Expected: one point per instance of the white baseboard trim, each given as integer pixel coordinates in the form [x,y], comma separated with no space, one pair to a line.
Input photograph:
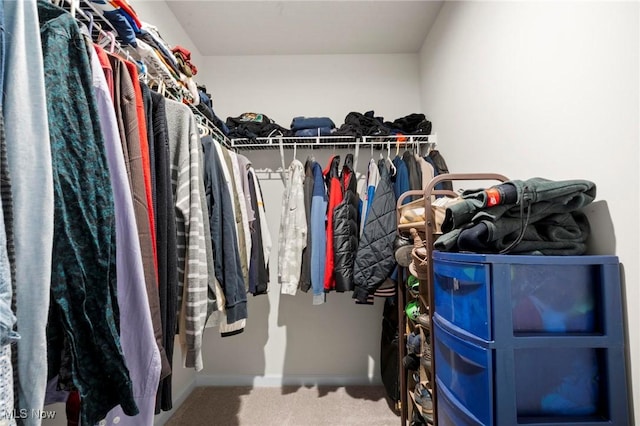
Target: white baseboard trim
[164,416]
[279,380]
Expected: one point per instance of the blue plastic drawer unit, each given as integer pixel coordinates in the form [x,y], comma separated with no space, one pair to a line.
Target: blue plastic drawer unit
[466,372]
[559,384]
[495,296]
[529,340]
[451,413]
[462,296]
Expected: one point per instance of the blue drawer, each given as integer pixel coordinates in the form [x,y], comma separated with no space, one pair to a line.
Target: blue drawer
[463,297]
[466,371]
[451,413]
[560,382]
[492,297]
[554,299]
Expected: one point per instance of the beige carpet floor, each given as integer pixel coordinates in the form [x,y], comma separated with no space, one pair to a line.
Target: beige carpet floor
[286,406]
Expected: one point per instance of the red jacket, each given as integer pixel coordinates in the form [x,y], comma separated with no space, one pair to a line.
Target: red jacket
[334,193]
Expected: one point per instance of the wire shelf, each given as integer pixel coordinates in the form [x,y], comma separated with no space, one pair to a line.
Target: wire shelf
[330,142]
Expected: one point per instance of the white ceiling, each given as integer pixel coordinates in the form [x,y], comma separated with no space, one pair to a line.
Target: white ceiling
[270,27]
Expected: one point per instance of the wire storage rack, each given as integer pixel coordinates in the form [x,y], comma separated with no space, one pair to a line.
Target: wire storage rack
[335,142]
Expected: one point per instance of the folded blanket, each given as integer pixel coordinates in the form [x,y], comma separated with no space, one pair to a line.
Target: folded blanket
[300,123]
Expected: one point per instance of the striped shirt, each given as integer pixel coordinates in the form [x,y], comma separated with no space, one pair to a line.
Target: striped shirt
[186,178]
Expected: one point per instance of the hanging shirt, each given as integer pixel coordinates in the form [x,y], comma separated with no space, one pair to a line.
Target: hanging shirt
[318,234]
[293,230]
[30,167]
[244,215]
[167,245]
[369,189]
[305,272]
[141,352]
[83,276]
[265,241]
[223,234]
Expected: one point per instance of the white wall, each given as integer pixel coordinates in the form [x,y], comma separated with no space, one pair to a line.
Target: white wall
[545,89]
[287,340]
[312,85]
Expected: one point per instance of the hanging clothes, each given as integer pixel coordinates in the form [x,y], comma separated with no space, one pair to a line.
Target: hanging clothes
[243,225]
[7,319]
[293,230]
[426,169]
[334,196]
[144,155]
[318,234]
[231,325]
[166,243]
[83,277]
[127,117]
[243,166]
[213,290]
[305,273]
[345,228]
[139,345]
[401,179]
[414,170]
[264,236]
[193,281]
[9,358]
[216,299]
[440,167]
[237,210]
[257,255]
[368,191]
[30,166]
[374,259]
[228,269]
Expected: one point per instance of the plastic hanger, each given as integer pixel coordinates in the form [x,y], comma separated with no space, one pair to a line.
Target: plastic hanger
[74,7]
[312,157]
[91,25]
[392,167]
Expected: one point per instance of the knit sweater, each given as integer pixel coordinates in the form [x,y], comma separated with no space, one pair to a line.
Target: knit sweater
[184,158]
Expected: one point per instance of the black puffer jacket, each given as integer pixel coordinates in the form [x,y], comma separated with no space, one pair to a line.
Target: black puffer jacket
[374,258]
[345,228]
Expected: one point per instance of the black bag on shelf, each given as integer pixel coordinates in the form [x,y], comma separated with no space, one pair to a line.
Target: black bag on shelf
[251,126]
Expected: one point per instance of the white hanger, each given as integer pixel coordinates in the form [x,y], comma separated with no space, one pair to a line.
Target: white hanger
[392,167]
[74,7]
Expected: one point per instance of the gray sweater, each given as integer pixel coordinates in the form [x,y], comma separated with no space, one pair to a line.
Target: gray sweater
[193,278]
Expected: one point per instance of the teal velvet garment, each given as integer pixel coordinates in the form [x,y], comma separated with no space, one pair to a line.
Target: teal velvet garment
[83,276]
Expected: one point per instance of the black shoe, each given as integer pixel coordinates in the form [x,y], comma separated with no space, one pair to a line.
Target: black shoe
[411,362]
